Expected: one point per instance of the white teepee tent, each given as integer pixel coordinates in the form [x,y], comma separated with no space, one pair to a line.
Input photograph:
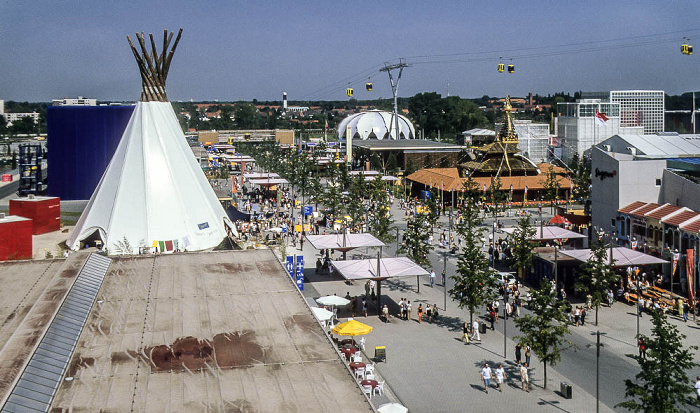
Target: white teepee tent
[153,193]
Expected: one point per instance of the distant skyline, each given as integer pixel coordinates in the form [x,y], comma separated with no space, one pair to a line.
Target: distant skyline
[245,50]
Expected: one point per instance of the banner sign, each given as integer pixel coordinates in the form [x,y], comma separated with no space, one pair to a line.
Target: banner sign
[300,272]
[690,271]
[290,265]
[308,210]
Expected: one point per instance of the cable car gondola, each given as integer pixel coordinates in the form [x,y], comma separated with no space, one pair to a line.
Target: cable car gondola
[511,67]
[501,66]
[349,92]
[686,48]
[368,86]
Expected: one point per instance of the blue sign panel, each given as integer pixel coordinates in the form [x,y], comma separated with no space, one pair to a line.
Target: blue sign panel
[300,272]
[203,225]
[308,210]
[290,265]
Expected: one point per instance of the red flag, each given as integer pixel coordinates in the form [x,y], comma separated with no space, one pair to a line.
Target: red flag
[600,117]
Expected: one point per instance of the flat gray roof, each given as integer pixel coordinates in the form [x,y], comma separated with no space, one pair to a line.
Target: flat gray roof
[219,331]
[404,144]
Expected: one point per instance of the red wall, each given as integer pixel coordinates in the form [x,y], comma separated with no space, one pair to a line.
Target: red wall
[45,213]
[16,240]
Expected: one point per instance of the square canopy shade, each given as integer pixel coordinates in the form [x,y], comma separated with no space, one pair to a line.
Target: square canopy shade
[622,257]
[240,159]
[268,181]
[384,178]
[388,267]
[549,233]
[344,242]
[258,175]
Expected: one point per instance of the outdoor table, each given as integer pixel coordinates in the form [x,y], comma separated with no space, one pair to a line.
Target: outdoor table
[372,383]
[347,342]
[357,365]
[348,352]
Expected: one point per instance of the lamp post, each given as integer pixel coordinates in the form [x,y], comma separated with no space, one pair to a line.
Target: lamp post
[556,272]
[493,245]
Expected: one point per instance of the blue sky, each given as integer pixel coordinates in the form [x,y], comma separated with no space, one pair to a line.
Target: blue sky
[241,50]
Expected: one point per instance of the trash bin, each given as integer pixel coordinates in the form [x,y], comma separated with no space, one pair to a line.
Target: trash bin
[565,390]
[482,328]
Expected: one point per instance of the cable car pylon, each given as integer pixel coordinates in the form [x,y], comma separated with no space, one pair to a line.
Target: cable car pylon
[395,88]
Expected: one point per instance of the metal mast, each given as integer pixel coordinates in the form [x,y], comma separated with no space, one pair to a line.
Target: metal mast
[395,87]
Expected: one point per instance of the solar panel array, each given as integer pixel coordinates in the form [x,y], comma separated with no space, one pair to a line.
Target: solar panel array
[42,376]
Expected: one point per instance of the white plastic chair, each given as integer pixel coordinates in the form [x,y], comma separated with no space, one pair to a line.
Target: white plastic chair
[360,373]
[368,375]
[367,389]
[357,358]
[369,368]
[380,388]
[362,344]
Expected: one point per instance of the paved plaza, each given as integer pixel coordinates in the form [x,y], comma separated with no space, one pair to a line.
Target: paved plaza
[429,368]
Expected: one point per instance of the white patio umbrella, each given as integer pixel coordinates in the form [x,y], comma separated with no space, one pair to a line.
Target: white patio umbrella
[322,314]
[332,300]
[392,408]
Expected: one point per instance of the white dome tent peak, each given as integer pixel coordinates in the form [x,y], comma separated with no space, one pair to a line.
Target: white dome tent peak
[376,124]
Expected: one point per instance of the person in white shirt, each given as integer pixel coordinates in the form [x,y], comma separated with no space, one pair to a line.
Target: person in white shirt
[500,376]
[697,387]
[486,377]
[475,333]
[524,377]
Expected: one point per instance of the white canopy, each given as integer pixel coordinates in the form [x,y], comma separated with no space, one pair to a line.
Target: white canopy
[548,233]
[388,267]
[256,175]
[321,313]
[365,173]
[384,178]
[268,181]
[344,242]
[332,300]
[622,257]
[153,192]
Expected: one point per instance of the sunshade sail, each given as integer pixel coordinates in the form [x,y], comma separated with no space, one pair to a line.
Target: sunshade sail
[388,267]
[622,257]
[548,233]
[332,300]
[340,241]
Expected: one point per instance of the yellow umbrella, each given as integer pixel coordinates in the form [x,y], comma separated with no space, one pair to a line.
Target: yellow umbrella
[352,328]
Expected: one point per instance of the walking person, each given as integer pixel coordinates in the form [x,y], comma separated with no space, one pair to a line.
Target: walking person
[408,311]
[528,353]
[697,387]
[364,307]
[428,313]
[524,377]
[518,353]
[500,376]
[475,333]
[420,312]
[432,278]
[486,377]
[443,278]
[465,331]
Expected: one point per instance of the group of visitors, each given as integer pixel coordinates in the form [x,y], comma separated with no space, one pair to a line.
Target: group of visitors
[500,375]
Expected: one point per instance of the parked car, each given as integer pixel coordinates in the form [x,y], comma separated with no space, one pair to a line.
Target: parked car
[503,278]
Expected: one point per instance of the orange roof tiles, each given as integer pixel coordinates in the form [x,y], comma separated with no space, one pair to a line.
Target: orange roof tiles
[631,207]
[448,179]
[680,217]
[693,226]
[644,209]
[662,211]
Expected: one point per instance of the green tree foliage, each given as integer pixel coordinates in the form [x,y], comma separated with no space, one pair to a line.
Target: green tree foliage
[544,329]
[662,385]
[497,196]
[474,280]
[417,246]
[380,221]
[450,115]
[522,246]
[246,116]
[597,276]
[581,177]
[551,185]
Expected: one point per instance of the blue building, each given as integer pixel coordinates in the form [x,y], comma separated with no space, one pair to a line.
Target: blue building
[81,141]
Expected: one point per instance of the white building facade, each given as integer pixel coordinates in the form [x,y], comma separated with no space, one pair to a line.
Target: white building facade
[578,129]
[534,139]
[641,108]
[79,101]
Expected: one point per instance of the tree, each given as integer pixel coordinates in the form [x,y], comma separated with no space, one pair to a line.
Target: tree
[662,384]
[474,280]
[581,177]
[417,234]
[550,184]
[545,328]
[522,246]
[497,196]
[597,275]
[379,215]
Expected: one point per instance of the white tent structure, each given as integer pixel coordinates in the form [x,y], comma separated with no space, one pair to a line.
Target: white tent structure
[153,193]
[376,124]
